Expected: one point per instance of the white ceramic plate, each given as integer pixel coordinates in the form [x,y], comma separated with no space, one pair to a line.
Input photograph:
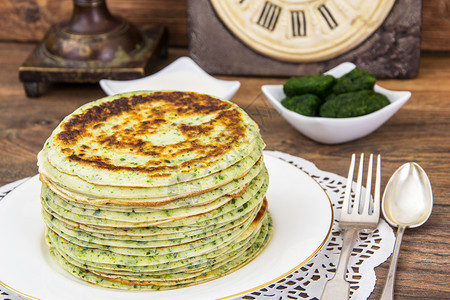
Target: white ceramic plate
[337,130]
[181,75]
[301,211]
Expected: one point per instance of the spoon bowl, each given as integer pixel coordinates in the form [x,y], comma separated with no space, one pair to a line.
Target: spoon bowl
[408,198]
[407,203]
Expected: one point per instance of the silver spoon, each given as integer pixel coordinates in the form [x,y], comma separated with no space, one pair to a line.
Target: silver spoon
[407,203]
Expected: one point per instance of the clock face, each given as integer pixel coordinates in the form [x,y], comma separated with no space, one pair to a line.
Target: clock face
[302,30]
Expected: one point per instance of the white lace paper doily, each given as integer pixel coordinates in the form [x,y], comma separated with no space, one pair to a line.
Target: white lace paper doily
[308,281]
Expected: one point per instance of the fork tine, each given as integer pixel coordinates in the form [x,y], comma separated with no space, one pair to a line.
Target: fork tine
[348,188]
[376,196]
[357,200]
[366,203]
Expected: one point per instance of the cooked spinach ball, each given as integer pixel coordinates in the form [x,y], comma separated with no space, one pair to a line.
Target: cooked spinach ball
[355,80]
[352,104]
[306,104]
[317,84]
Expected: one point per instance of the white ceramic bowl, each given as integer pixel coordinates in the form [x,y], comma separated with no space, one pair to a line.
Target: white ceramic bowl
[181,75]
[337,130]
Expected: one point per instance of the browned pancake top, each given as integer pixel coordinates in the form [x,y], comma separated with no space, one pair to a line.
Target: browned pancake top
[154,133]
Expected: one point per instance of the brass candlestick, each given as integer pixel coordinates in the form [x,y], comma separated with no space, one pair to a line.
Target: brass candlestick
[92,45]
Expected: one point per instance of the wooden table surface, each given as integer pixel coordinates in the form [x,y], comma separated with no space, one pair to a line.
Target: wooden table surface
[419,132]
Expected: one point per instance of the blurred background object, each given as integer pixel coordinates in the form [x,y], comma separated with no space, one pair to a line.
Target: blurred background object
[29,20]
[293,38]
[93,44]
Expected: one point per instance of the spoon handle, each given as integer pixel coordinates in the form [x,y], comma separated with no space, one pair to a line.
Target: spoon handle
[388,291]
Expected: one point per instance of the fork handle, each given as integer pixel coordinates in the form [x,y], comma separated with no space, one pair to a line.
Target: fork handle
[338,288]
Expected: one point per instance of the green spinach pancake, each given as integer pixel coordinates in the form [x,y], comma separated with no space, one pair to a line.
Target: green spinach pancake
[154,190]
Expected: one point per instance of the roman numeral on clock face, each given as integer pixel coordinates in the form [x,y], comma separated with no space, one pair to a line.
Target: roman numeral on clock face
[326,14]
[298,22]
[269,16]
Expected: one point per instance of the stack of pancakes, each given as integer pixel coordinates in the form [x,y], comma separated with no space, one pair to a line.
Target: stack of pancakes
[154,190]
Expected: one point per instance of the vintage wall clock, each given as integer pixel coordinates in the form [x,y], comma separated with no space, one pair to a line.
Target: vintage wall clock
[296,37]
[304,30]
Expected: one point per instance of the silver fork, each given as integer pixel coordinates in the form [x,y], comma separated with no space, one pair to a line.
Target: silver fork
[360,215]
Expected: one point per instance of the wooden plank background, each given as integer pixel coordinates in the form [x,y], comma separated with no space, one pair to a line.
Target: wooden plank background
[28,20]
